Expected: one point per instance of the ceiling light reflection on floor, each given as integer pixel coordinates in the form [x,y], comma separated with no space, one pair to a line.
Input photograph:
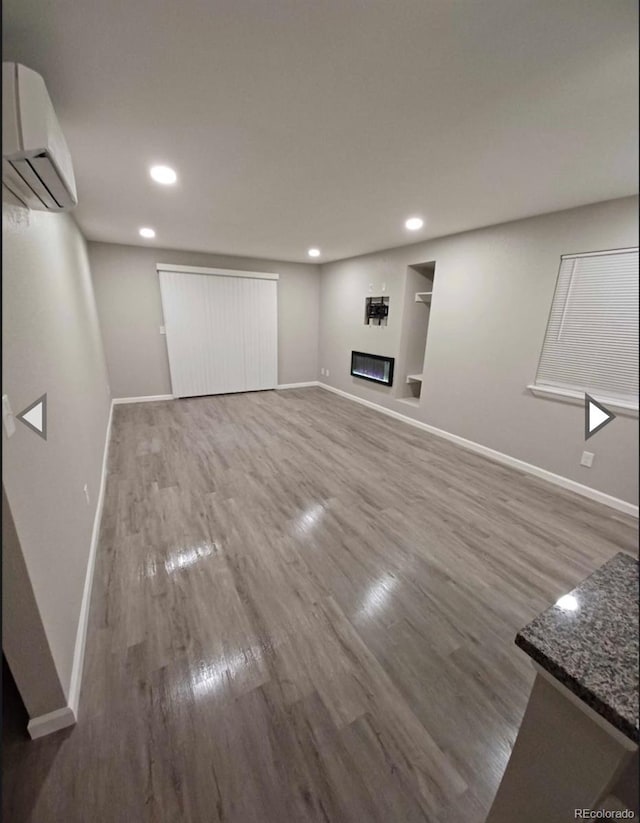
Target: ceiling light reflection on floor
[209,678]
[309,518]
[188,556]
[378,595]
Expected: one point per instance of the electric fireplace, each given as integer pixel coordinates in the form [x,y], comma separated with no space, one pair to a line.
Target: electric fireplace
[372,367]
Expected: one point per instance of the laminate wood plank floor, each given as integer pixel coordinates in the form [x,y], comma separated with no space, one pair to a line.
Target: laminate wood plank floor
[304,610]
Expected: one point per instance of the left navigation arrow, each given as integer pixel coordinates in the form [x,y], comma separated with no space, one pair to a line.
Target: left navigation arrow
[34,416]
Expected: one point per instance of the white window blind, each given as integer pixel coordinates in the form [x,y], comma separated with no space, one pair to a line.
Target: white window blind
[591,342]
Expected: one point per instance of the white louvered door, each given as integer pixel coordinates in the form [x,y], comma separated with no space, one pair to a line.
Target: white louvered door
[222,332]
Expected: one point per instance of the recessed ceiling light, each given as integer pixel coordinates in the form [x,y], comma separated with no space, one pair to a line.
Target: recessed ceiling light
[163,174]
[148,234]
[414,223]
[314,252]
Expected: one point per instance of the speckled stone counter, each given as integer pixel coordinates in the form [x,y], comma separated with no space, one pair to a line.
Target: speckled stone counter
[590,642]
[579,731]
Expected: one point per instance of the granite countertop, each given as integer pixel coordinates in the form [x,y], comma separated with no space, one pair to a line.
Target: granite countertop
[589,641]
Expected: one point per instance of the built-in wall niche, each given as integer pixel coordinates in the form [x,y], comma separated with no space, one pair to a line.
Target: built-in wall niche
[415,326]
[376,311]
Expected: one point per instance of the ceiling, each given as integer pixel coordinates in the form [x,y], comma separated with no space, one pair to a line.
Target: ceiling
[298,123]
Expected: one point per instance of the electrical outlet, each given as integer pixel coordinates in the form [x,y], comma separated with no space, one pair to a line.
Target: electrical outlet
[7,416]
[326,371]
[86,493]
[587,459]
[384,287]
[163,329]
[322,372]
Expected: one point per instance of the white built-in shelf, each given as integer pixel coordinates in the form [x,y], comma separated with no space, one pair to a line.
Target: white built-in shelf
[414,378]
[410,401]
[423,296]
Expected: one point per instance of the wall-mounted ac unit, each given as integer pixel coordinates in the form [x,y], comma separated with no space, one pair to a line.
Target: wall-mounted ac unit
[36,164]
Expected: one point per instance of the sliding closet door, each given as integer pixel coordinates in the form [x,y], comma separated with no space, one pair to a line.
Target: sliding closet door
[221,332]
[260,333]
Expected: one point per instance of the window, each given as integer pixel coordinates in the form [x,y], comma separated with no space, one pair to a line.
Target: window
[591,342]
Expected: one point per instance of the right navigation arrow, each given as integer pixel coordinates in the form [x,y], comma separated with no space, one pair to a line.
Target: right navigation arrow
[595,416]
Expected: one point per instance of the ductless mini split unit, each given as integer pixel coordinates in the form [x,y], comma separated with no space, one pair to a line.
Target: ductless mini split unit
[36,164]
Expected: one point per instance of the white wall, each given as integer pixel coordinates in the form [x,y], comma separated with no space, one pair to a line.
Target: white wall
[24,639]
[52,344]
[128,297]
[492,295]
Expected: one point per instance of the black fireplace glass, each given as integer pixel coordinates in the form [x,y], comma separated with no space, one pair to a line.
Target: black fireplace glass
[372,367]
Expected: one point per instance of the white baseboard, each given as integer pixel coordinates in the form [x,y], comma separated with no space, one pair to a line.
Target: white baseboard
[297,385]
[150,398]
[51,722]
[81,634]
[499,457]
[146,398]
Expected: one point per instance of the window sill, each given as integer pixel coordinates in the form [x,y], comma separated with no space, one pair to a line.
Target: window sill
[577,399]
